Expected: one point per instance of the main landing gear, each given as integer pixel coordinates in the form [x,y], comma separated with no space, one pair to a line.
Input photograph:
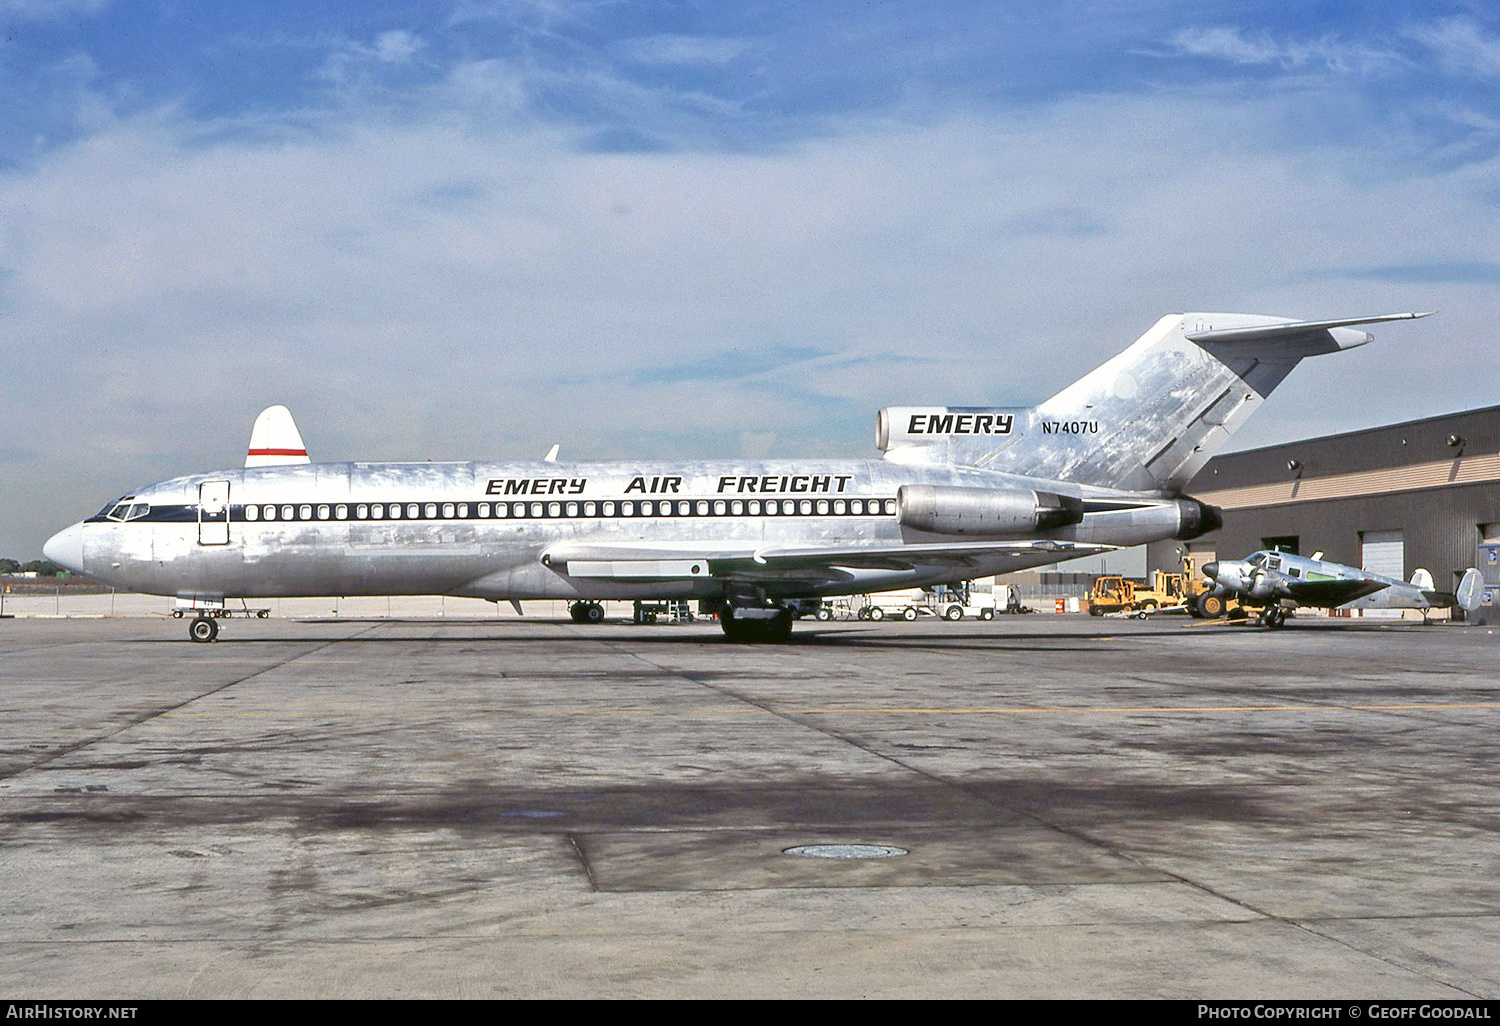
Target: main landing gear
[203,629]
[1273,616]
[755,625]
[586,612]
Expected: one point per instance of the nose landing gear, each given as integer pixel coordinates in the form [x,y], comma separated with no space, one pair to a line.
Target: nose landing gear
[203,629]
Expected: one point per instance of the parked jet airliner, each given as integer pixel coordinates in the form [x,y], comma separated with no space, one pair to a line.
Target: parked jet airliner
[960,492]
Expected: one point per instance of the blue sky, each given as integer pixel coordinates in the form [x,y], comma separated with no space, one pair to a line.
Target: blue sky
[472,229]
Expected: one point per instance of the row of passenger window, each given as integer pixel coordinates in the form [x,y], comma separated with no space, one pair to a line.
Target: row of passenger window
[544,510]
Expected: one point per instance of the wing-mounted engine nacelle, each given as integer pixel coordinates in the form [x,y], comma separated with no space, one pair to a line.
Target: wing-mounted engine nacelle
[1263,587]
[984,511]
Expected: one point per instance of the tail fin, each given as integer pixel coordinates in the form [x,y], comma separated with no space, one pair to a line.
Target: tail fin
[1148,419]
[1422,580]
[275,440]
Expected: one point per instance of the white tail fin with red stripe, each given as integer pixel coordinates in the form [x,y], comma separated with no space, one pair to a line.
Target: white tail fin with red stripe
[275,440]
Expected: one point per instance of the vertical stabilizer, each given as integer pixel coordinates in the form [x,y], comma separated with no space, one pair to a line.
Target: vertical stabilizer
[275,440]
[1471,590]
[1149,419]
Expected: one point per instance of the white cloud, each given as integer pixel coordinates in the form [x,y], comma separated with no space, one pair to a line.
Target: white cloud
[1231,44]
[395,47]
[350,57]
[1461,46]
[683,50]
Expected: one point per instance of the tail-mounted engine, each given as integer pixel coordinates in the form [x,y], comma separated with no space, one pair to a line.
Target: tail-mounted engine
[984,511]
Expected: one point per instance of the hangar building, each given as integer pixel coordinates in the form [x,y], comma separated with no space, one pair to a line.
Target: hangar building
[1425,493]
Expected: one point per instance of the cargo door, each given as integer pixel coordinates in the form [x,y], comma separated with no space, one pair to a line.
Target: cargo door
[213,513]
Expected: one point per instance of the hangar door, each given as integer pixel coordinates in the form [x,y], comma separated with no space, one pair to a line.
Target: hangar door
[1383,552]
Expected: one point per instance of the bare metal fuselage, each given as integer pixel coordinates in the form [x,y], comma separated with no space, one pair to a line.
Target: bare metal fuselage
[446,534]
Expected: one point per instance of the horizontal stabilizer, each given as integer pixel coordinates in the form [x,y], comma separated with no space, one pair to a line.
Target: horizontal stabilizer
[275,440]
[1296,329]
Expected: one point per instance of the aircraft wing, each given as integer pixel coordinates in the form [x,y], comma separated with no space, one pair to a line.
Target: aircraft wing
[1329,593]
[815,564]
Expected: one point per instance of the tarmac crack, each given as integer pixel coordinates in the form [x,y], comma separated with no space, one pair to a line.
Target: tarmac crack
[583,859]
[152,714]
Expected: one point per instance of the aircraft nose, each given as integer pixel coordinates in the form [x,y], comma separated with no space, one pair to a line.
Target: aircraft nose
[1211,571]
[65,548]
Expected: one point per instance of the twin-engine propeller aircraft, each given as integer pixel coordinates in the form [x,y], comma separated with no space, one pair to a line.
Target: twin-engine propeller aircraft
[960,492]
[1277,581]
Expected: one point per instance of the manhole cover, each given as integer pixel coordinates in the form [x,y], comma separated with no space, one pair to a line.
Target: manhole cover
[846,851]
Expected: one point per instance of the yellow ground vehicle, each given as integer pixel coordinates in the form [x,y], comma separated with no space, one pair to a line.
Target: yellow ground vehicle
[1113,593]
[1169,591]
[1198,592]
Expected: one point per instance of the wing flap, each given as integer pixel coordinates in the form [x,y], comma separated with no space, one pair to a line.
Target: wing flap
[690,560]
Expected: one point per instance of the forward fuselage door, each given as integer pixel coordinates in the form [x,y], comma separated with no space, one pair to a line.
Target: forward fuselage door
[213,513]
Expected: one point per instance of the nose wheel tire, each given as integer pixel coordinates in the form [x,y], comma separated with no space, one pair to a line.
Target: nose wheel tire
[203,629]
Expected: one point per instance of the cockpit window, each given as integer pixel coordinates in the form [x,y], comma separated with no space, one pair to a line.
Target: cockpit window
[117,508]
[1259,559]
[125,509]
